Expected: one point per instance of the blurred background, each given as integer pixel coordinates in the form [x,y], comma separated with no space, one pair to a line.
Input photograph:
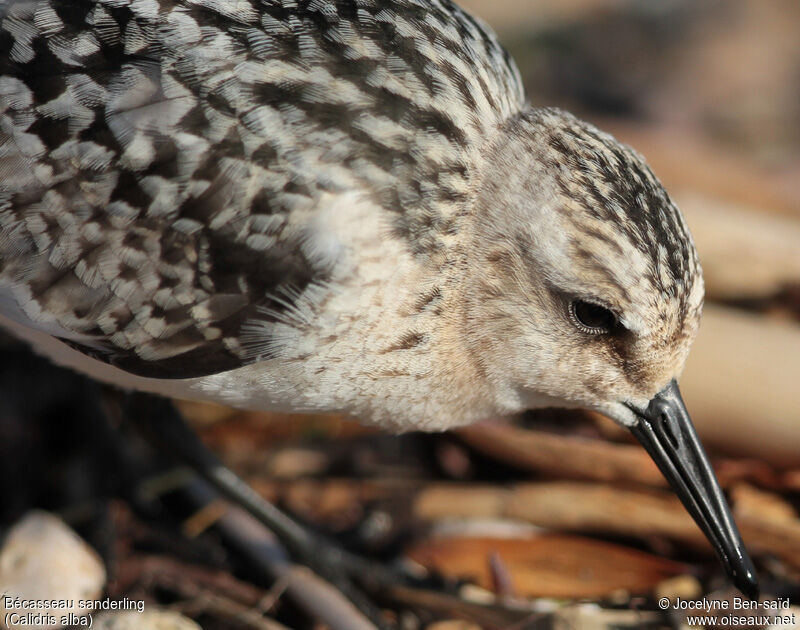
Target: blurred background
[554,520]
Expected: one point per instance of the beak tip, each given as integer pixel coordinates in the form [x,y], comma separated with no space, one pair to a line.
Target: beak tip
[746,581]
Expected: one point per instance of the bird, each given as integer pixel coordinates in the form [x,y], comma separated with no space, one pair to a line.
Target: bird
[343,206]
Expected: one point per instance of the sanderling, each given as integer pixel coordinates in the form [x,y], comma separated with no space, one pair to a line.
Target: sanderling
[337,205]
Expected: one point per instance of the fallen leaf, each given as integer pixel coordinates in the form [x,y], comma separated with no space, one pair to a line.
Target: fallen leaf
[548,565]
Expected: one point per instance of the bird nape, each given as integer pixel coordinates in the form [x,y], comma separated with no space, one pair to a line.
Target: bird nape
[338,206]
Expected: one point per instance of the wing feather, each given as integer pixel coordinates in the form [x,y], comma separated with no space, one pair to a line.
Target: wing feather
[158,158]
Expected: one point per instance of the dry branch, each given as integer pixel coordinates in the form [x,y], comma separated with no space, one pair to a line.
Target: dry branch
[487,615]
[589,459]
[563,455]
[313,594]
[741,387]
[599,508]
[171,573]
[745,254]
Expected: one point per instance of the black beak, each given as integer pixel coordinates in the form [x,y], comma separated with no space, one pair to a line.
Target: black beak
[667,433]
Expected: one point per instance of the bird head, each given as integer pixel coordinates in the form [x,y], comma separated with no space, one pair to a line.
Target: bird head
[589,287]
[586,291]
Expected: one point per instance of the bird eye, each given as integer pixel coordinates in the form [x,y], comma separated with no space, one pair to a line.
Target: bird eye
[592,318]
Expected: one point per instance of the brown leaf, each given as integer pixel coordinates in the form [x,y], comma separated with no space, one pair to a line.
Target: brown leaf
[548,565]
